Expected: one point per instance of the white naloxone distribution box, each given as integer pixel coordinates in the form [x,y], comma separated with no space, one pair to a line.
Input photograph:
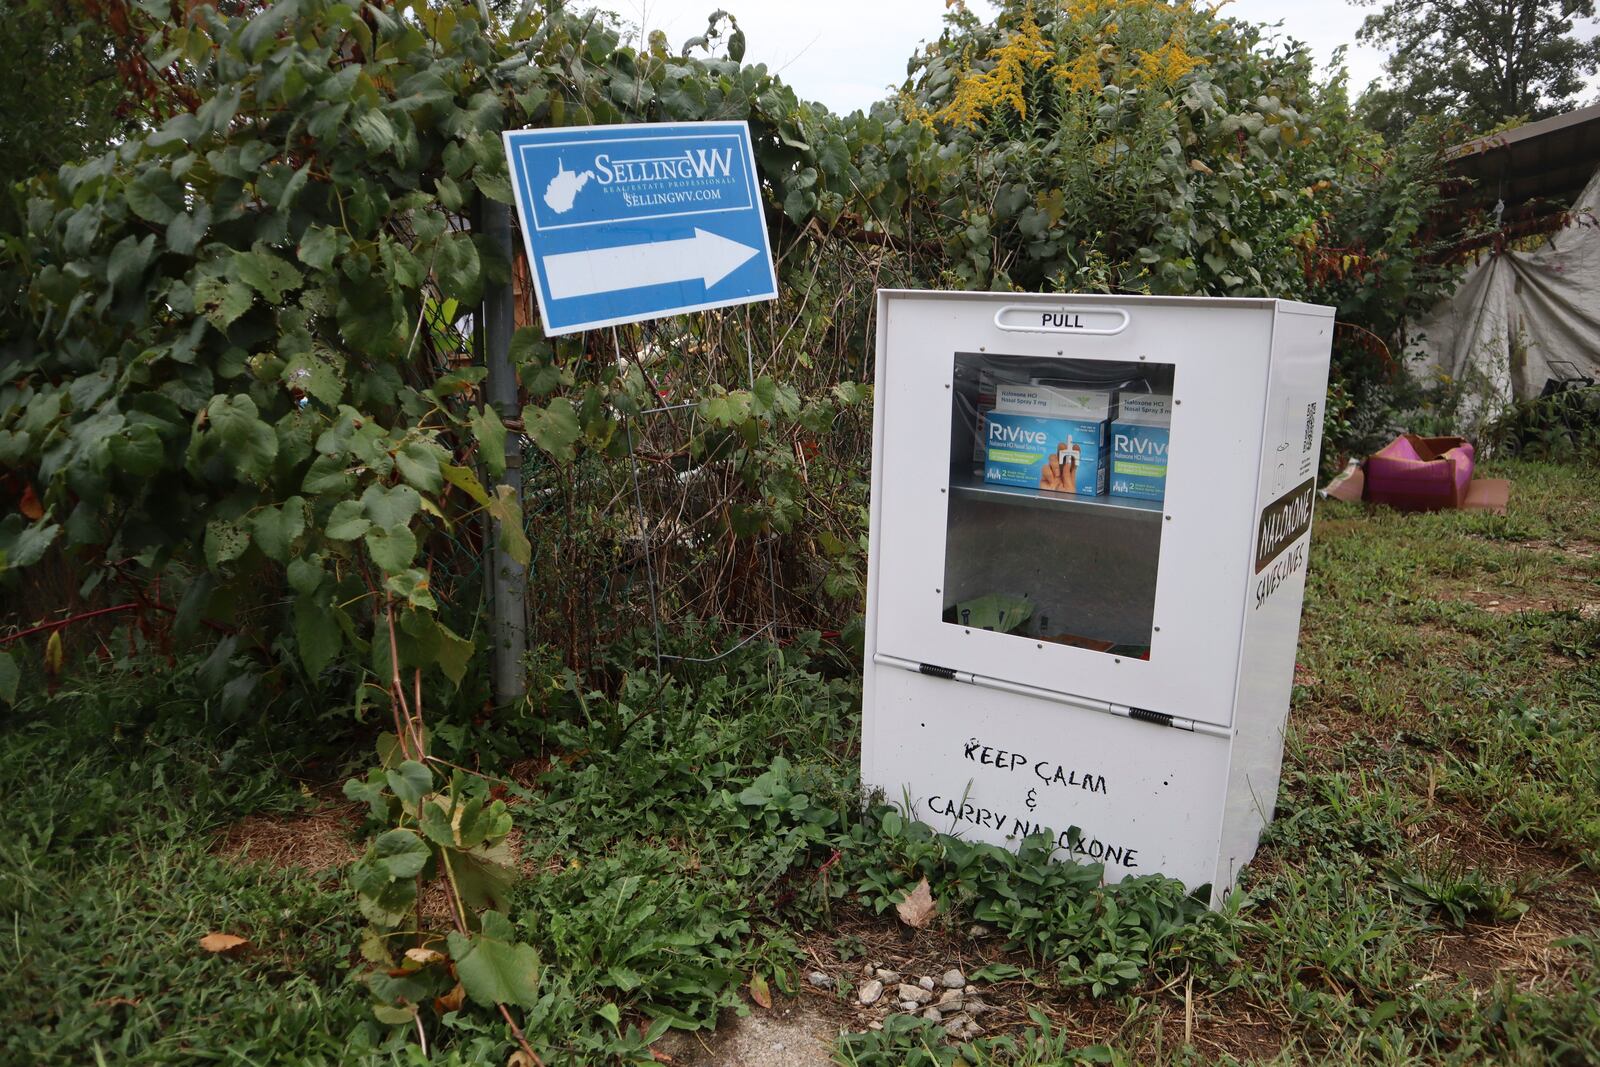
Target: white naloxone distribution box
[1112,667]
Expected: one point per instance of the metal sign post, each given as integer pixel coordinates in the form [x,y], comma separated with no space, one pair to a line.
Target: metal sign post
[508,579]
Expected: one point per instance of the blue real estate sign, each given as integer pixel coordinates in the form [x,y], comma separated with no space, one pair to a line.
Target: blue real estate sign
[633,222]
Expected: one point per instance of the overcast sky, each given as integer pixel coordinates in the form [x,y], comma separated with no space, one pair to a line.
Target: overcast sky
[847,53]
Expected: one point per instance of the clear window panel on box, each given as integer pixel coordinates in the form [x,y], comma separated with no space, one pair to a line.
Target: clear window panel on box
[1058,469]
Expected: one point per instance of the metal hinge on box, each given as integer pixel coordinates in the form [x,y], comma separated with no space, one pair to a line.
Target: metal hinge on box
[1155,718]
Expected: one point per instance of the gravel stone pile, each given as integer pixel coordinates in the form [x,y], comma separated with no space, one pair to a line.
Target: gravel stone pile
[948,999]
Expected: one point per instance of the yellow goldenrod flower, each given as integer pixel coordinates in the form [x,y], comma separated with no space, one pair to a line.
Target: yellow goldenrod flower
[977,95]
[1088,9]
[911,110]
[1166,65]
[1082,74]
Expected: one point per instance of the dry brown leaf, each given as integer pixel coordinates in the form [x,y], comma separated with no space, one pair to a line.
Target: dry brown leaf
[918,907]
[450,1001]
[759,991]
[661,1057]
[422,957]
[118,1002]
[29,504]
[224,944]
[520,1058]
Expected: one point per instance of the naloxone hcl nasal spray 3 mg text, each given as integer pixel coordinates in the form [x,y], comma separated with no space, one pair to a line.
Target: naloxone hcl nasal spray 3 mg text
[1139,439]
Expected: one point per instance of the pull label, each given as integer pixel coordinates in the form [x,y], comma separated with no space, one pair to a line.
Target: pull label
[1042,318]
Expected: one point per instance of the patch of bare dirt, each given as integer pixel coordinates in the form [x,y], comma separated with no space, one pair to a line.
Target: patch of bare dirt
[1557,596]
[1327,722]
[1558,893]
[322,839]
[328,839]
[1218,1025]
[1524,950]
[1169,1014]
[1444,642]
[1575,548]
[796,1032]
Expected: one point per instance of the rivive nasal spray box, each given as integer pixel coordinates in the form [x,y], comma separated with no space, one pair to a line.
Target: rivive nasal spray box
[1062,449]
[1139,439]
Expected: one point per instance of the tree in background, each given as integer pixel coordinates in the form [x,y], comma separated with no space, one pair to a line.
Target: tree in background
[62,106]
[1481,61]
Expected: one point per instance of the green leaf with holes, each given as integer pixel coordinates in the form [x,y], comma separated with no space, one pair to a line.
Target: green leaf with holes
[225,541]
[222,300]
[266,273]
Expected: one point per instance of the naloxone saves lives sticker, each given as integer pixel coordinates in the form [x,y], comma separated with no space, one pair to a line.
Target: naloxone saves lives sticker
[1283,522]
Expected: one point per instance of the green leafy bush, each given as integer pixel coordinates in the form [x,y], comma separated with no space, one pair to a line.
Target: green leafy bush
[1563,425]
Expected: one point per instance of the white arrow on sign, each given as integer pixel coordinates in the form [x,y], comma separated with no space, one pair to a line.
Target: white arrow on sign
[706,256]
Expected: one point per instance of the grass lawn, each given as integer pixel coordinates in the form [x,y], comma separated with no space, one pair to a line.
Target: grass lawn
[1430,891]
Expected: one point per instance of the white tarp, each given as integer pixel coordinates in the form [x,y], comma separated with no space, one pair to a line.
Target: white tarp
[1516,313]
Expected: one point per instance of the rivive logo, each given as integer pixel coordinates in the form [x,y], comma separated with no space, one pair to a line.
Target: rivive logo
[1014,435]
[1141,446]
